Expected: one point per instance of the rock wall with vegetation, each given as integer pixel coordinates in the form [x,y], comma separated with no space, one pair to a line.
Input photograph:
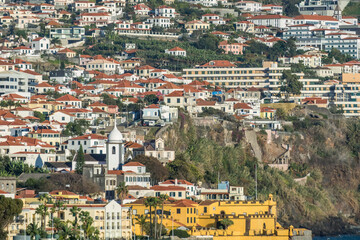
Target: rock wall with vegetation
[327,149]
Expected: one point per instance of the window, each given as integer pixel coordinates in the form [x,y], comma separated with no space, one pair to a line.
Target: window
[113,150]
[178,210]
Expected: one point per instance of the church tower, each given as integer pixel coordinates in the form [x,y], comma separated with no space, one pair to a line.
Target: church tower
[115,149]
[338,13]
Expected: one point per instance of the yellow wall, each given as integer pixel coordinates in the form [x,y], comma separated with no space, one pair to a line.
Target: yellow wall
[351,77]
[250,219]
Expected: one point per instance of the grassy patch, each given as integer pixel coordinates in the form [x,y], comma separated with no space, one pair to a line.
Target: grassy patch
[352,9]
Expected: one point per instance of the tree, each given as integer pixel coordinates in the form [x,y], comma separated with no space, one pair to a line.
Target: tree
[9,208]
[55,41]
[151,99]
[90,232]
[122,191]
[39,115]
[75,212]
[225,223]
[290,83]
[179,233]
[77,183]
[42,210]
[78,127]
[141,220]
[152,202]
[32,230]
[163,198]
[280,113]
[80,161]
[157,171]
[208,41]
[335,54]
[59,206]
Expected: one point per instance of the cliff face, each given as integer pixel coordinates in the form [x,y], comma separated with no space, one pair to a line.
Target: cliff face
[323,150]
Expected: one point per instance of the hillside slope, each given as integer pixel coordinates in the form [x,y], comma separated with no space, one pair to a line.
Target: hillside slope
[329,201]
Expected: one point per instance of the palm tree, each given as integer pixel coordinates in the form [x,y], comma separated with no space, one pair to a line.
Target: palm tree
[141,220]
[32,230]
[75,211]
[42,210]
[87,221]
[55,41]
[162,198]
[152,202]
[59,205]
[122,191]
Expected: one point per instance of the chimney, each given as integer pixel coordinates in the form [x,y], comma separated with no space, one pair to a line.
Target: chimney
[176,182]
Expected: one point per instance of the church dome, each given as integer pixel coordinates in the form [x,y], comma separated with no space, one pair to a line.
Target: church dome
[115,135]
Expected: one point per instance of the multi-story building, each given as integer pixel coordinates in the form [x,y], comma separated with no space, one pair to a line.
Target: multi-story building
[165,11]
[196,25]
[83,5]
[311,61]
[17,82]
[226,74]
[344,42]
[272,9]
[67,33]
[251,219]
[91,143]
[164,22]
[234,48]
[321,7]
[249,6]
[110,219]
[278,21]
[99,19]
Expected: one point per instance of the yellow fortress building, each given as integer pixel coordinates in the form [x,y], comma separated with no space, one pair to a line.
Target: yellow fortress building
[252,220]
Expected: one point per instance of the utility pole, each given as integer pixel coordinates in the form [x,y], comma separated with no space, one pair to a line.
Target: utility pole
[256,181]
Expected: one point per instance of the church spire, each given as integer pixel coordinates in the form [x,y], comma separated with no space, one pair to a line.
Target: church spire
[338,13]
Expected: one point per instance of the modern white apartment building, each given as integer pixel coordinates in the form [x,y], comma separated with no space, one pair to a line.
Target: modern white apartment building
[225,74]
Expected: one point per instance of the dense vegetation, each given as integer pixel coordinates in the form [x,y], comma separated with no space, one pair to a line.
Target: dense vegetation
[352,9]
[200,50]
[9,208]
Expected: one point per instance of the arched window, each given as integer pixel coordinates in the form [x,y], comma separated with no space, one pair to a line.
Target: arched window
[113,150]
[264,226]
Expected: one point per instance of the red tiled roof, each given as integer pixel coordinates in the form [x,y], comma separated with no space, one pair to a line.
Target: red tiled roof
[133,164]
[67,98]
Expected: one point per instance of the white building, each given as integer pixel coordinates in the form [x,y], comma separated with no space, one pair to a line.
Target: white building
[40,44]
[135,174]
[164,22]
[165,11]
[176,51]
[191,189]
[117,221]
[278,21]
[272,9]
[249,6]
[91,144]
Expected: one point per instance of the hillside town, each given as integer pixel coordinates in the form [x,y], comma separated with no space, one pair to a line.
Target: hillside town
[91,91]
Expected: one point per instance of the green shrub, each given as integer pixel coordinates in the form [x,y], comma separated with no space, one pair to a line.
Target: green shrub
[179,233]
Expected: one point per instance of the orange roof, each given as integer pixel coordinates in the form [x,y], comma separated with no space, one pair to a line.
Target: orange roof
[89,136]
[179,181]
[241,106]
[316,17]
[167,188]
[44,84]
[133,164]
[218,63]
[177,49]
[68,98]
